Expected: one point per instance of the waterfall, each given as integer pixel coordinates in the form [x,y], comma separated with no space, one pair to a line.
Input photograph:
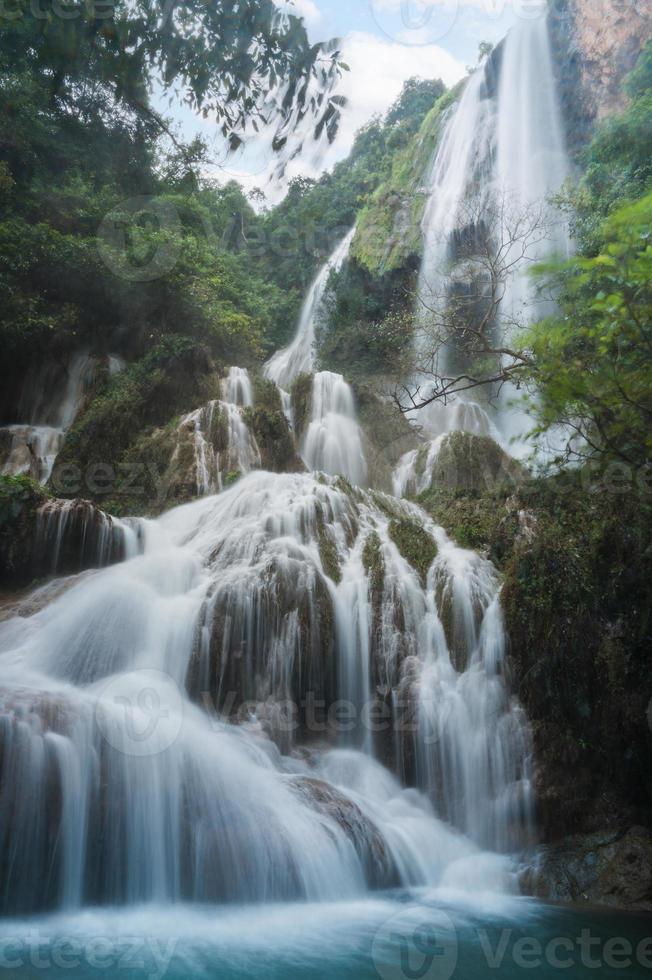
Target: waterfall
[237,388]
[73,534]
[502,151]
[288,363]
[294,688]
[333,443]
[220,440]
[152,712]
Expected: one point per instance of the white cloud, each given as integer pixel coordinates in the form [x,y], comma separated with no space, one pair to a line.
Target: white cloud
[307,9]
[379,68]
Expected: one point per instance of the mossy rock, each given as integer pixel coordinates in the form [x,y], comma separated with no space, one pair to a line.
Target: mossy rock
[158,472]
[301,394]
[479,522]
[415,544]
[266,394]
[272,433]
[374,565]
[113,427]
[389,225]
[20,499]
[469,463]
[388,435]
[327,549]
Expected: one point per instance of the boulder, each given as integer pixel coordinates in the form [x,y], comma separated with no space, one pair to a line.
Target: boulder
[605,868]
[466,463]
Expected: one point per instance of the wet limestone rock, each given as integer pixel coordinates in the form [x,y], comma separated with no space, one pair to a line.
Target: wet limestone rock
[467,463]
[415,544]
[41,536]
[364,836]
[605,868]
[270,428]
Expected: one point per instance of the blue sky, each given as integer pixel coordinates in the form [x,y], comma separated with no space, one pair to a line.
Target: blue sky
[385,42]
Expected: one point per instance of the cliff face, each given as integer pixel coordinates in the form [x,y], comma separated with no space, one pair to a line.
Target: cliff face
[606,37]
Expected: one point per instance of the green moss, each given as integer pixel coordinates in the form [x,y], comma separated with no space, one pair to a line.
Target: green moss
[389,226]
[20,498]
[231,478]
[467,462]
[266,394]
[415,544]
[301,394]
[327,550]
[388,434]
[272,434]
[174,378]
[577,601]
[372,559]
[218,433]
[479,522]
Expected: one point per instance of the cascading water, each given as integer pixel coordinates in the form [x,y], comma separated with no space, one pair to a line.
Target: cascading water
[333,442]
[299,358]
[240,603]
[222,444]
[502,151]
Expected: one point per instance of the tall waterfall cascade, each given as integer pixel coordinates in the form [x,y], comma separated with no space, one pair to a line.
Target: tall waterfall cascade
[333,442]
[502,155]
[299,358]
[168,730]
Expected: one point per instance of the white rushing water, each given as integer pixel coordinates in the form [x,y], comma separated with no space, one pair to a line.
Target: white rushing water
[333,441]
[222,443]
[299,358]
[295,688]
[123,780]
[501,158]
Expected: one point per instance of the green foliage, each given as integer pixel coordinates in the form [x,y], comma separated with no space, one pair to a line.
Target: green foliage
[237,63]
[593,364]
[618,162]
[367,330]
[177,375]
[18,493]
